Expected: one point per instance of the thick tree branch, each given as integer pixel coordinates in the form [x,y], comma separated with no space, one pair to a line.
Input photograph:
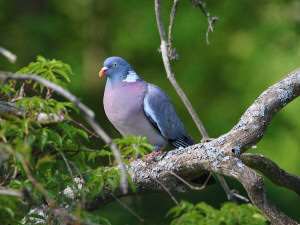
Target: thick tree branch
[88,114]
[221,155]
[272,171]
[254,123]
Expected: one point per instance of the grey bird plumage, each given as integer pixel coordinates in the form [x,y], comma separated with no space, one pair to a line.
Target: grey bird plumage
[136,107]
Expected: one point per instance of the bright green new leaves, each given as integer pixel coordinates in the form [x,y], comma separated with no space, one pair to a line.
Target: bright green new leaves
[52,70]
[134,146]
[7,89]
[37,104]
[203,214]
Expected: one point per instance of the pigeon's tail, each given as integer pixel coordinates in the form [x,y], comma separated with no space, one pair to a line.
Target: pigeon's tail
[182,141]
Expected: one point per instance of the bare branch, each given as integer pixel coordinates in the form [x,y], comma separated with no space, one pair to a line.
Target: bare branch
[254,123]
[166,189]
[172,53]
[83,202]
[88,113]
[230,194]
[210,20]
[81,125]
[173,81]
[10,192]
[170,75]
[187,184]
[71,174]
[127,208]
[10,56]
[272,171]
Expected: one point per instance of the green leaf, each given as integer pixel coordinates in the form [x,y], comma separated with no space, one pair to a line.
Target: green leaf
[62,73]
[43,139]
[71,105]
[82,133]
[131,183]
[111,184]
[31,139]
[45,159]
[55,137]
[40,58]
[92,156]
[10,211]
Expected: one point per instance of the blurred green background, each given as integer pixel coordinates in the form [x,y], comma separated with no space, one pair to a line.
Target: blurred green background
[254,44]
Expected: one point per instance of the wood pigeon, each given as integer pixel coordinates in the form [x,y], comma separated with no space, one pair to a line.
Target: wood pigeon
[136,107]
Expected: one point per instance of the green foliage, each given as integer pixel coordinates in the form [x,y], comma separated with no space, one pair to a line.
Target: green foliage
[6,90]
[134,146]
[202,214]
[38,104]
[91,218]
[52,70]
[11,210]
[34,153]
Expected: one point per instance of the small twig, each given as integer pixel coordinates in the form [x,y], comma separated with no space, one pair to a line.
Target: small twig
[177,87]
[71,174]
[166,189]
[10,192]
[49,94]
[20,94]
[210,20]
[231,194]
[81,150]
[15,170]
[6,178]
[10,56]
[172,52]
[127,208]
[170,75]
[80,124]
[84,172]
[191,186]
[61,186]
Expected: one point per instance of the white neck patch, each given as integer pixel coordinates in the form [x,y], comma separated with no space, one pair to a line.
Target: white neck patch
[131,77]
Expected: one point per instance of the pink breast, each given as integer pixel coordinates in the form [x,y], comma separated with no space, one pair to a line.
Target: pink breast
[123,103]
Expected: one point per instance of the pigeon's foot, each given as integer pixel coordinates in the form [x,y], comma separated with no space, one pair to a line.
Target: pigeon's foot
[207,140]
[148,156]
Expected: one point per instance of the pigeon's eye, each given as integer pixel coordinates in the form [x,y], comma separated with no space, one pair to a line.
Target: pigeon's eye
[115,64]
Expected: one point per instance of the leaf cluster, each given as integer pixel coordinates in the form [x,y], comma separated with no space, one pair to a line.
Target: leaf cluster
[52,70]
[202,214]
[51,156]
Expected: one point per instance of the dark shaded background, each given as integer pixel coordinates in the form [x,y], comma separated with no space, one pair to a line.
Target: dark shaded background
[254,44]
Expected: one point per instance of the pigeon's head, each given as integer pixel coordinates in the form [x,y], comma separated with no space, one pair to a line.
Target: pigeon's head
[117,69]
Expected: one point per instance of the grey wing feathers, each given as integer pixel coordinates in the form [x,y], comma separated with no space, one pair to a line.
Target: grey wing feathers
[160,111]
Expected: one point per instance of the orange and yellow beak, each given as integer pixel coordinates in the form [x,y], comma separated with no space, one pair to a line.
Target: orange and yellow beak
[103,71]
